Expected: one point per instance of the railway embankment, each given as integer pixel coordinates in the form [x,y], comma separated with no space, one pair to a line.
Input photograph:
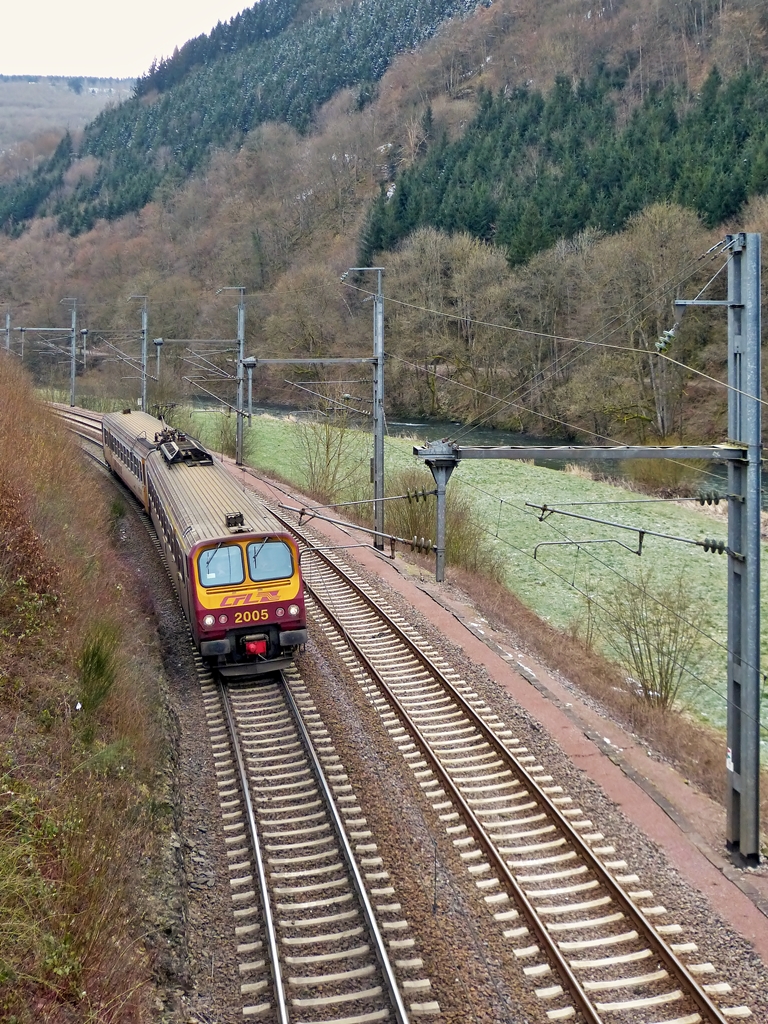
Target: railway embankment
[85,776]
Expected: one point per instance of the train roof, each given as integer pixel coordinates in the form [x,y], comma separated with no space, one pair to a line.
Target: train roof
[141,433]
[132,426]
[205,502]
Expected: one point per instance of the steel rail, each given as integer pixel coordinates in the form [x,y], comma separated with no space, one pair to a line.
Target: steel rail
[277,976]
[357,878]
[634,913]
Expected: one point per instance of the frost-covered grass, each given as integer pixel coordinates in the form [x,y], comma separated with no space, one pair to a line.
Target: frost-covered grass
[554,582]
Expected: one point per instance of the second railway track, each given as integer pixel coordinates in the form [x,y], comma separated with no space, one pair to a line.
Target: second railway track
[580,923]
[307,885]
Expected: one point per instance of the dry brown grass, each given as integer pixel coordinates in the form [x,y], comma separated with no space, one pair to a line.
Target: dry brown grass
[75,788]
[695,749]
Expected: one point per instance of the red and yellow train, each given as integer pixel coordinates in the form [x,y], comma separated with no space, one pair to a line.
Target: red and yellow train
[236,571]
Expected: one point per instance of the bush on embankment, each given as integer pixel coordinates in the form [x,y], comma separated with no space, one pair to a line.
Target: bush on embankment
[79,740]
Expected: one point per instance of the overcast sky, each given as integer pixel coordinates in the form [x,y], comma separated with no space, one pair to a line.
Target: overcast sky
[101,38]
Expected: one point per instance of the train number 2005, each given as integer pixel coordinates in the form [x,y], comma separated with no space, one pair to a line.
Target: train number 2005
[257,615]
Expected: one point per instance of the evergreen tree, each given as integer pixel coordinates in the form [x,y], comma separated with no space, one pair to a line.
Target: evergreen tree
[531,169]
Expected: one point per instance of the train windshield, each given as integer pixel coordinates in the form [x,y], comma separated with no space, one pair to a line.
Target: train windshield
[269,559]
[221,566]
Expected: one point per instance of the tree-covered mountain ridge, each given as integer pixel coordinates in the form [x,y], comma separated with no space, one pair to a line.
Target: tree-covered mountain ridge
[266,65]
[513,97]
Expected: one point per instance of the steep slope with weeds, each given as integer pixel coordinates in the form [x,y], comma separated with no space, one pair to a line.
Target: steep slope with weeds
[80,742]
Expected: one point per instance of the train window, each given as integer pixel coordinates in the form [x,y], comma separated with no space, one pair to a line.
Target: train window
[221,566]
[269,559]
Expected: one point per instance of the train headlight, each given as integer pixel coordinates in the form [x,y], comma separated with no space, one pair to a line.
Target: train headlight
[209,620]
[293,610]
[223,619]
[279,612]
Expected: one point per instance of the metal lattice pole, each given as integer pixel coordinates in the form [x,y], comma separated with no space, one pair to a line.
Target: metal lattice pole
[377,462]
[144,356]
[378,415]
[744,426]
[240,376]
[73,354]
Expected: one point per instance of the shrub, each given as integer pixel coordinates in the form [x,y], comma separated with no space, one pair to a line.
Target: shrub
[650,625]
[467,545]
[329,453]
[664,476]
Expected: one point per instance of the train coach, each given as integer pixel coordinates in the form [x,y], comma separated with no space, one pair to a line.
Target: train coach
[237,574]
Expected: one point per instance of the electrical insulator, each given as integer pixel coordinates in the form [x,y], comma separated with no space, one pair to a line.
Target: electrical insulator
[417,495]
[709,498]
[715,546]
[422,545]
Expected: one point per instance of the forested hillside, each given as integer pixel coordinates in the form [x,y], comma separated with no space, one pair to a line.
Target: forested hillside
[263,67]
[531,174]
[532,168]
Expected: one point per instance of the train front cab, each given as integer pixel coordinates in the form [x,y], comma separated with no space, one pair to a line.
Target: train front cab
[248,604]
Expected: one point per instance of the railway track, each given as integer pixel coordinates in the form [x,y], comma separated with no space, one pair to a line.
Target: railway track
[82,422]
[580,923]
[301,863]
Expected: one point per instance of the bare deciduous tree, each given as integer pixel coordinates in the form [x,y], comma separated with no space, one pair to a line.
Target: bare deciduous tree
[331,454]
[651,626]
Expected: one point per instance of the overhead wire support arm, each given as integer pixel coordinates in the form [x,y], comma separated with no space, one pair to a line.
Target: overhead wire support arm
[421,494]
[320,361]
[194,383]
[420,544]
[715,452]
[546,511]
[581,543]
